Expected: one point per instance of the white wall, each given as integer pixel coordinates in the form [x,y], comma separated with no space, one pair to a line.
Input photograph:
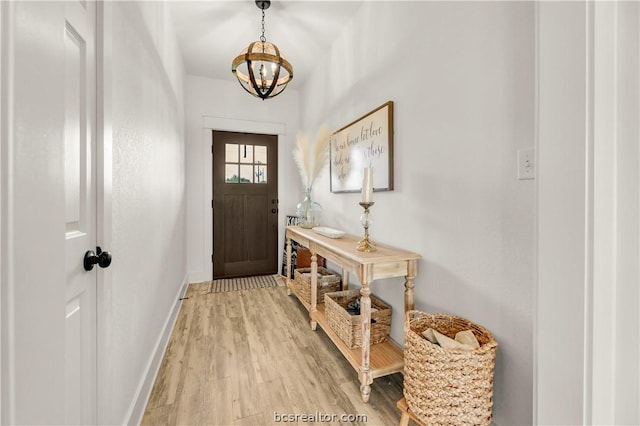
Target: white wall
[224,105]
[145,149]
[461,76]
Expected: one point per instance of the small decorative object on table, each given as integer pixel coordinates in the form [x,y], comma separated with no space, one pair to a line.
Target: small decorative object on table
[328,232]
[310,159]
[365,244]
[308,211]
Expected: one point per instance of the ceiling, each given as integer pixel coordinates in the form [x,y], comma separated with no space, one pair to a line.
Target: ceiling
[212,33]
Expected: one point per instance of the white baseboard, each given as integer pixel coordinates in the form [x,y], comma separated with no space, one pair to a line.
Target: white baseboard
[136,411]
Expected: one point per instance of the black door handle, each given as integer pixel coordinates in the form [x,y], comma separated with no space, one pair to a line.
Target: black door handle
[274,210]
[102,259]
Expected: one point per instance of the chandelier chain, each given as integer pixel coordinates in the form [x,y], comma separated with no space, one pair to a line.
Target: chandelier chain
[262,37]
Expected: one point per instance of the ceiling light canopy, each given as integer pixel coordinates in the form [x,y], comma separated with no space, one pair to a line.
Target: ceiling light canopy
[260,68]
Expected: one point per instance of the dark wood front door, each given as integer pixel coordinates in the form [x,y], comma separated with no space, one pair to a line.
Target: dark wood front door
[245,204]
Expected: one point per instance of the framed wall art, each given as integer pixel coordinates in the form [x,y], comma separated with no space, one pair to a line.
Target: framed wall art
[365,142]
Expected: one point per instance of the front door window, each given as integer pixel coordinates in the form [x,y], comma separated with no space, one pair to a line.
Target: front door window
[245,163]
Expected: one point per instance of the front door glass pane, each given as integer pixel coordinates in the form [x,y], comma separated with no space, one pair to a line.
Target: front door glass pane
[261,154]
[231,173]
[246,173]
[246,153]
[231,154]
[261,174]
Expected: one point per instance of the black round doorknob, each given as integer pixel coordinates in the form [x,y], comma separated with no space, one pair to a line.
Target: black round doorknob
[102,259]
[274,211]
[90,259]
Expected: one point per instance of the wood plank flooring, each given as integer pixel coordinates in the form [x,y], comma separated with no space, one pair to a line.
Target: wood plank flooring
[241,358]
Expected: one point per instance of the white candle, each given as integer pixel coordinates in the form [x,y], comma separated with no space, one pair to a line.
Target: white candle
[367,185]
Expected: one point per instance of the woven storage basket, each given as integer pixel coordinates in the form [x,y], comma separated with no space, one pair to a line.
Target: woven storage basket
[448,386]
[348,327]
[328,281]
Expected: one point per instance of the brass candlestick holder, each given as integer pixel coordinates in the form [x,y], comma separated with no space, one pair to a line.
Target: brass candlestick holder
[366,244]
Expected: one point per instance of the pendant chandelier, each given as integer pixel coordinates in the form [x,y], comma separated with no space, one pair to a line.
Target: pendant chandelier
[260,68]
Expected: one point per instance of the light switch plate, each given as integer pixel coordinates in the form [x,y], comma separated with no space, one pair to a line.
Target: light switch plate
[527,163]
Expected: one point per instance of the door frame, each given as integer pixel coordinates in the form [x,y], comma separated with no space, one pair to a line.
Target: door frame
[229,125]
[104,183]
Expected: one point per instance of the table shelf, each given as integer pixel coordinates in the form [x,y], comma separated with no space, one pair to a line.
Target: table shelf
[385,358]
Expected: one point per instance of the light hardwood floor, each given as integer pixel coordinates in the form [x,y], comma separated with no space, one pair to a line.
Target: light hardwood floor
[238,358]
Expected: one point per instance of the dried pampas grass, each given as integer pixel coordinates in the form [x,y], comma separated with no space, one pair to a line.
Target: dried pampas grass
[311,158]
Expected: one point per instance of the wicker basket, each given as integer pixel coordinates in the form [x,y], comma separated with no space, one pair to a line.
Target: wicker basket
[348,327]
[448,386]
[328,281]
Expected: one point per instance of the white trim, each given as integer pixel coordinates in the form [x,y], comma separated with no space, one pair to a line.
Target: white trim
[7,328]
[564,212]
[536,138]
[2,125]
[600,372]
[589,213]
[232,125]
[248,126]
[585,287]
[104,135]
[143,391]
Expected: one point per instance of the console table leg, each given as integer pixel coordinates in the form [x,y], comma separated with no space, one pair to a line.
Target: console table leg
[314,290]
[288,266]
[412,270]
[365,314]
[345,279]
[365,391]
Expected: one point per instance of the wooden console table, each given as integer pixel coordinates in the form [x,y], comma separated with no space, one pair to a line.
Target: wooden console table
[386,262]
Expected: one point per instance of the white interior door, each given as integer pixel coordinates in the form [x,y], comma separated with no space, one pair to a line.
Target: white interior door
[48,220]
[80,212]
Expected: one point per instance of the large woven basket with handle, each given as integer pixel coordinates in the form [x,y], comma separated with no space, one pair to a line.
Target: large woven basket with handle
[448,386]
